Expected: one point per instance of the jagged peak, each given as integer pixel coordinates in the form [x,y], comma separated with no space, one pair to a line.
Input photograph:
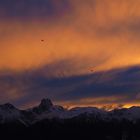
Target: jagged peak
[46,101]
[45,104]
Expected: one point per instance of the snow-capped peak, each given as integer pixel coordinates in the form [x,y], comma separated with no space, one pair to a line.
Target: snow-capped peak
[8,113]
[7,106]
[132,113]
[46,110]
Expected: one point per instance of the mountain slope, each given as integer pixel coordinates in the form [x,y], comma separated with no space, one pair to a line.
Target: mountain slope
[46,110]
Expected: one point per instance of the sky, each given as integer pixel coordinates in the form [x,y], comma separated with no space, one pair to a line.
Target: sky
[78,53]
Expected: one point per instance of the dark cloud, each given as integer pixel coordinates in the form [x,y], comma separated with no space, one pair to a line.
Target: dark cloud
[24,88]
[33,8]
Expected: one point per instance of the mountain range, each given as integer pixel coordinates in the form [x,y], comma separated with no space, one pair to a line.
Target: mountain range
[46,110]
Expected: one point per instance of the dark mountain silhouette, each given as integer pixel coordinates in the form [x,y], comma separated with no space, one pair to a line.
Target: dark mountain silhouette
[48,121]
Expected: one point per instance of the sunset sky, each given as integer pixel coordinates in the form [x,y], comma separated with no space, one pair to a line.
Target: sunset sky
[76,52]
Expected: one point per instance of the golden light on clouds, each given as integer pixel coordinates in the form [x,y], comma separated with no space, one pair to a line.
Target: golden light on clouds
[101,32]
[71,37]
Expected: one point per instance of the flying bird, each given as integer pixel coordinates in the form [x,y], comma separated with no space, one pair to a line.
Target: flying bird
[92,69]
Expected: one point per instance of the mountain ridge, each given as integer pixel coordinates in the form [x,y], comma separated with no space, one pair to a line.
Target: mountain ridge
[47,110]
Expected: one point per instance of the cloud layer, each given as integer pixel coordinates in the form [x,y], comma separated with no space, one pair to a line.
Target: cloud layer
[30,9]
[118,86]
[80,37]
[90,31]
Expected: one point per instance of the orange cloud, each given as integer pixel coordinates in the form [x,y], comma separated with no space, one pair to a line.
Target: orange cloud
[102,34]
